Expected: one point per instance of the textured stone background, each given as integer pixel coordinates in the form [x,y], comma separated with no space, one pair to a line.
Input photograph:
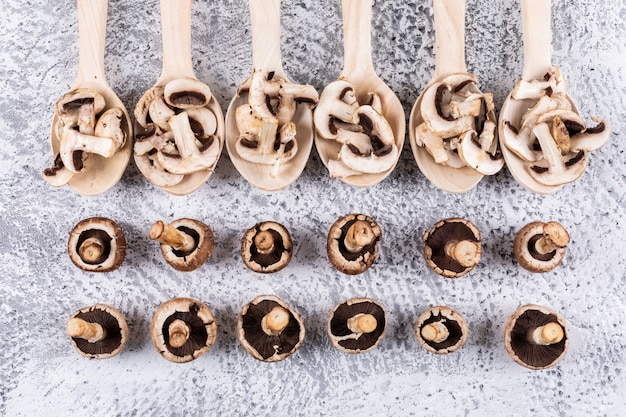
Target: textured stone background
[40,374]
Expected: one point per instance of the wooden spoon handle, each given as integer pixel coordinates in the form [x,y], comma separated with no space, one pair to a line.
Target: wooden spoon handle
[92,22]
[449,37]
[176,32]
[536,20]
[357,35]
[265,20]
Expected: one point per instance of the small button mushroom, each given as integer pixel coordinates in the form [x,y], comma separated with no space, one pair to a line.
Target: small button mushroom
[352,243]
[99,331]
[266,247]
[183,329]
[441,330]
[540,247]
[356,325]
[269,329]
[186,244]
[97,244]
[536,337]
[452,247]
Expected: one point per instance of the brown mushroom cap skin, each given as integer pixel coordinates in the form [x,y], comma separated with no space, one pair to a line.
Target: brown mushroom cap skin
[527,354]
[454,323]
[274,261]
[345,339]
[197,316]
[114,325]
[342,259]
[104,230]
[435,239]
[205,243]
[260,345]
[526,254]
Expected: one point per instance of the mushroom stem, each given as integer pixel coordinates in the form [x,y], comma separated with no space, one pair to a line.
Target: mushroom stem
[264,242]
[435,332]
[91,250]
[274,322]
[359,235]
[178,333]
[465,252]
[169,235]
[362,323]
[91,332]
[554,237]
[548,334]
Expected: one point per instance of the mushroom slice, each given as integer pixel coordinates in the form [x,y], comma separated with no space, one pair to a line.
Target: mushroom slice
[553,83]
[356,325]
[143,106]
[182,329]
[110,126]
[97,244]
[186,244]
[186,92]
[337,101]
[202,121]
[269,329]
[262,90]
[98,331]
[441,330]
[593,138]
[556,169]
[352,243]
[160,112]
[436,97]
[56,174]
[291,94]
[79,107]
[452,247]
[146,147]
[247,122]
[192,157]
[477,152]
[338,169]
[373,100]
[266,247]
[283,148]
[76,146]
[357,139]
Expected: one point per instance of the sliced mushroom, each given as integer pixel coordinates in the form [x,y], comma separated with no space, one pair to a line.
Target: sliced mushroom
[186,244]
[352,243]
[79,107]
[478,152]
[75,146]
[182,329]
[337,101]
[452,247]
[536,337]
[186,92]
[98,331]
[266,247]
[553,82]
[97,244]
[434,98]
[109,125]
[441,330]
[356,325]
[57,174]
[143,106]
[160,112]
[540,247]
[591,139]
[269,329]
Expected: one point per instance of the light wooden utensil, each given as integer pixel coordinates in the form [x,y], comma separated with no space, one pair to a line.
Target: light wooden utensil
[449,59]
[100,173]
[358,69]
[536,21]
[177,63]
[265,21]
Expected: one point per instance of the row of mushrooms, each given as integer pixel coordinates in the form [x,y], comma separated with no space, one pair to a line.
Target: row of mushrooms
[270,330]
[452,247]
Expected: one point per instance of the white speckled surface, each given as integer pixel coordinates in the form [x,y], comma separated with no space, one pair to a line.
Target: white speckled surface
[40,374]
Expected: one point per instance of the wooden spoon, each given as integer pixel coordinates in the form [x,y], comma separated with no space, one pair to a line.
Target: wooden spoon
[265,20]
[177,63]
[358,69]
[536,20]
[100,173]
[449,59]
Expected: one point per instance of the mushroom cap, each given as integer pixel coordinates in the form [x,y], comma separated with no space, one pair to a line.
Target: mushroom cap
[526,254]
[205,243]
[262,346]
[435,239]
[113,323]
[197,316]
[340,257]
[276,259]
[345,339]
[527,354]
[106,231]
[454,323]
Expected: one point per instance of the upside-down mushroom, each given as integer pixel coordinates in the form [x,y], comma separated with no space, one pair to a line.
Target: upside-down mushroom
[99,331]
[452,247]
[97,244]
[352,243]
[186,244]
[266,247]
[356,325]
[441,330]
[540,247]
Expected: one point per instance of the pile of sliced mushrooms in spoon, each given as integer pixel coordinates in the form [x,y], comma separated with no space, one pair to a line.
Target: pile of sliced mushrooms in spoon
[452,127]
[91,131]
[359,121]
[544,140]
[179,126]
[269,121]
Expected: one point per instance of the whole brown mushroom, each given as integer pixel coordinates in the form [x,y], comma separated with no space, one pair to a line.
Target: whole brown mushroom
[97,244]
[356,325]
[352,243]
[186,244]
[452,247]
[441,330]
[98,331]
[540,247]
[266,247]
